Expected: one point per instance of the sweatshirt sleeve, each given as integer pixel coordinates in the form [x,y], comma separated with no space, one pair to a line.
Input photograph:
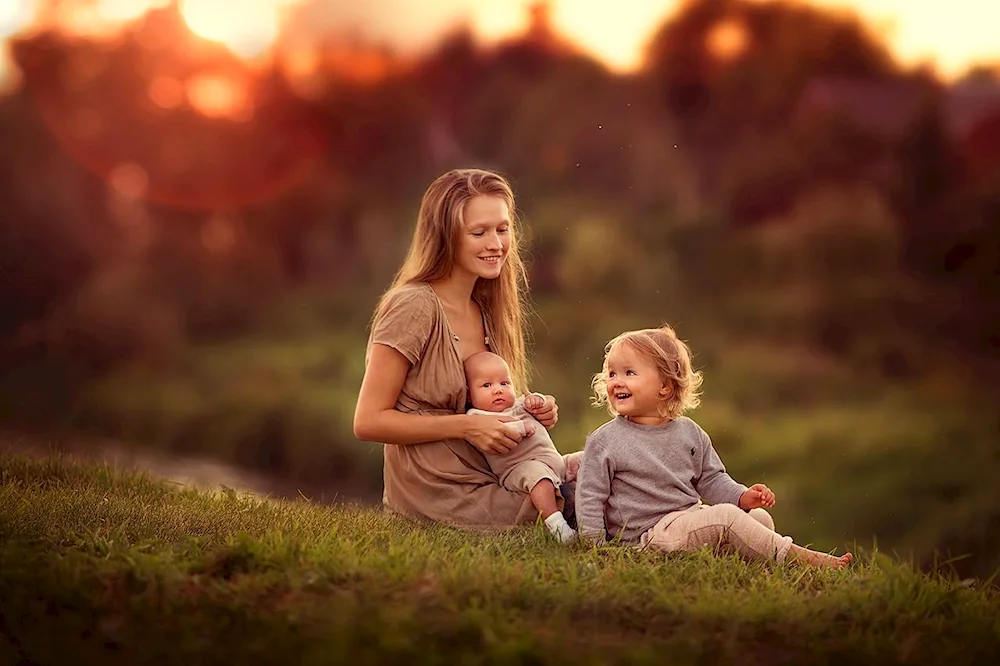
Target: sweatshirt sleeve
[593,490]
[714,485]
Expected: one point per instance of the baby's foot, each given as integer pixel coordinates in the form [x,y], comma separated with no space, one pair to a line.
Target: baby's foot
[559,528]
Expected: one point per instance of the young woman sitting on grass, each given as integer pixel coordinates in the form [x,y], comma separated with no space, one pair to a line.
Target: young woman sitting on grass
[459,292]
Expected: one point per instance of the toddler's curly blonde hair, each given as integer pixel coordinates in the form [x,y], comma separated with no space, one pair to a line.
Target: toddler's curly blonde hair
[672,358]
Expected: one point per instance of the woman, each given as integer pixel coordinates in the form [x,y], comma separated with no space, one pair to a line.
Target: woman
[460,291]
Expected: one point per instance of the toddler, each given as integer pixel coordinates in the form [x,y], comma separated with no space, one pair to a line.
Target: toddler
[645,473]
[533,466]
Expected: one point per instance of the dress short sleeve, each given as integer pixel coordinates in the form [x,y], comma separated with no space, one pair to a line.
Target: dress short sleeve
[405,321]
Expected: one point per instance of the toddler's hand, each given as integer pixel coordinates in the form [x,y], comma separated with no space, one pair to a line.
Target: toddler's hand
[572,461]
[533,401]
[756,496]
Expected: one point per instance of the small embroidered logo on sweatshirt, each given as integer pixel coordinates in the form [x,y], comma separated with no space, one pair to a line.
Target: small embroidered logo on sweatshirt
[692,451]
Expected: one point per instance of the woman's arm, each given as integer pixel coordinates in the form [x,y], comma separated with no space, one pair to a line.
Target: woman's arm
[376,418]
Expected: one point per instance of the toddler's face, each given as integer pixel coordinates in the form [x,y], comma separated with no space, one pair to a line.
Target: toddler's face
[490,386]
[635,388]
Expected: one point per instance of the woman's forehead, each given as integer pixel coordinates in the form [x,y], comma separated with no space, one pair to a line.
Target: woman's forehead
[485,210]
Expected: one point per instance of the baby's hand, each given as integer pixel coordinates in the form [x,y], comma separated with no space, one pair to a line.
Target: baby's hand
[533,401]
[756,496]
[529,428]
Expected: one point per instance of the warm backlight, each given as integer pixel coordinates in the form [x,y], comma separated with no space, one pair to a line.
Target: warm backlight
[248,28]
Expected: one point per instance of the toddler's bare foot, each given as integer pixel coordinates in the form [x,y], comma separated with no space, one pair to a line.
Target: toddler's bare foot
[816,559]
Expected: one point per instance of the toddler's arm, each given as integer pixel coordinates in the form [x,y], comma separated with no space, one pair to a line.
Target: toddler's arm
[714,484]
[593,490]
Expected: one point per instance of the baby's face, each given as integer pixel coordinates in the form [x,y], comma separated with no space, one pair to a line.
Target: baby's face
[490,387]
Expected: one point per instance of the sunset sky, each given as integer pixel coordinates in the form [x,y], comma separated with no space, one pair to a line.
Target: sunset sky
[950,35]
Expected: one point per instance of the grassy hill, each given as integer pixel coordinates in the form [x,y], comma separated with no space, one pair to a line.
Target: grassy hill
[101,566]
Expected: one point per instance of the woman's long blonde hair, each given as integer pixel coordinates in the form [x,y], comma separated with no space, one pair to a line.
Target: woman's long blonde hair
[431,257]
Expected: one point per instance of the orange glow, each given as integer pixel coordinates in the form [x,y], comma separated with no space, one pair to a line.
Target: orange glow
[359,65]
[951,36]
[301,70]
[248,28]
[166,92]
[220,96]
[728,39]
[14,17]
[100,19]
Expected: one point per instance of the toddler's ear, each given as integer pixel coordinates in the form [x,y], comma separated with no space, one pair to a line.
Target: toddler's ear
[666,390]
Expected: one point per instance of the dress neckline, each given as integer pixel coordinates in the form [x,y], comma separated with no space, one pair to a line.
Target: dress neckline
[451,332]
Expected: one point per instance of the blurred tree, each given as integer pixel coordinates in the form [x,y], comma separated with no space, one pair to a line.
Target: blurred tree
[732,72]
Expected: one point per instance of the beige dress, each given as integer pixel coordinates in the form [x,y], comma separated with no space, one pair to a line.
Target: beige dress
[447,481]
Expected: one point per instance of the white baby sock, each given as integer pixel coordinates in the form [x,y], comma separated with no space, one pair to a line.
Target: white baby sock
[557,525]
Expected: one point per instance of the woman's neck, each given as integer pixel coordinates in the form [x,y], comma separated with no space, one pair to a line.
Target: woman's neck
[455,291]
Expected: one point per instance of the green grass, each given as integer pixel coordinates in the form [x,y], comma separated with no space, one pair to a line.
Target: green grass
[99,566]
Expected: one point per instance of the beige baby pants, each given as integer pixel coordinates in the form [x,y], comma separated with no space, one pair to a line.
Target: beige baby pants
[724,527]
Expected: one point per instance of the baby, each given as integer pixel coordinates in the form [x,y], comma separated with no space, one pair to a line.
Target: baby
[533,466]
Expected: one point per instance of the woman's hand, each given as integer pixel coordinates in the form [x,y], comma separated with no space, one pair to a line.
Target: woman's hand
[489,434]
[547,412]
[756,496]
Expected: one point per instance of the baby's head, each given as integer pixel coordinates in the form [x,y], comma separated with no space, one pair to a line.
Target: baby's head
[647,373]
[490,386]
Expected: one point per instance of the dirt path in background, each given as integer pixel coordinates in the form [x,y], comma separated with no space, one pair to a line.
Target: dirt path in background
[202,473]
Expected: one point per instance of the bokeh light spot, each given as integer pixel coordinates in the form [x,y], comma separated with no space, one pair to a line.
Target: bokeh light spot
[728,39]
[220,96]
[248,28]
[130,180]
[166,92]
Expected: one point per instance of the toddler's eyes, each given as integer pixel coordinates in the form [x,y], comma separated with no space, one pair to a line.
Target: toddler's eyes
[630,372]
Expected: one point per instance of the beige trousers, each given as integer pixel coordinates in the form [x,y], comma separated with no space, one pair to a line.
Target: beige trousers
[724,527]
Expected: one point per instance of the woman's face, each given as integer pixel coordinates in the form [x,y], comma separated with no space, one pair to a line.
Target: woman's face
[485,240]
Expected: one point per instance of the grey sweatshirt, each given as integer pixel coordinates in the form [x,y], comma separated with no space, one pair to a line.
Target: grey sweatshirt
[632,475]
